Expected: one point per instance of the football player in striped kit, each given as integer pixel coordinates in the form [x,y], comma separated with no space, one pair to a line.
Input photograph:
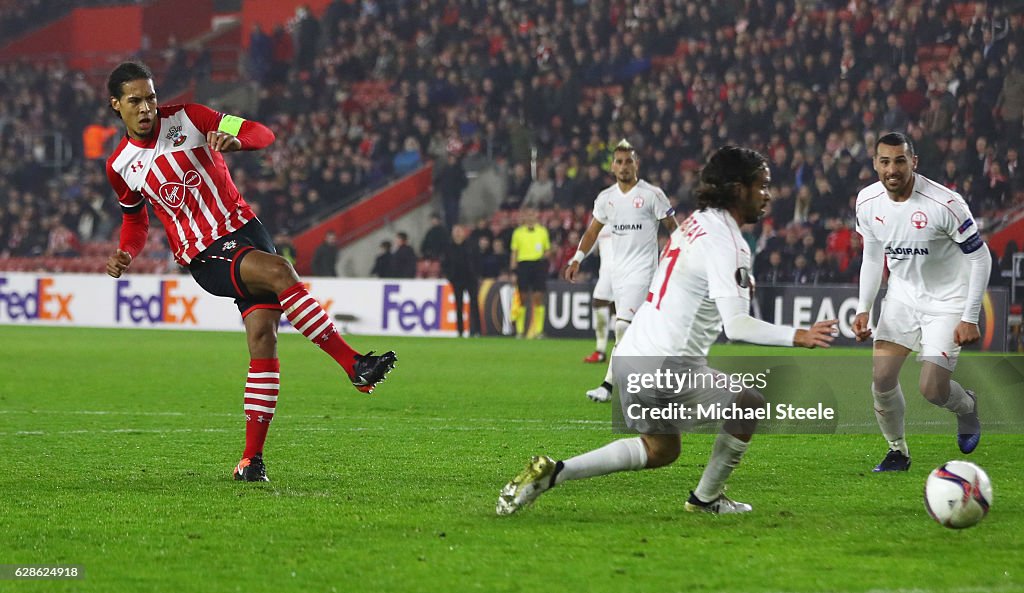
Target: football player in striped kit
[171,160]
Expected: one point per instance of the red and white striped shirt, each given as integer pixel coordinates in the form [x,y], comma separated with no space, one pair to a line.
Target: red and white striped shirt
[187,183]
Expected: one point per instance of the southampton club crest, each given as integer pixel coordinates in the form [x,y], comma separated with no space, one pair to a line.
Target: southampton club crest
[175,136]
[919,220]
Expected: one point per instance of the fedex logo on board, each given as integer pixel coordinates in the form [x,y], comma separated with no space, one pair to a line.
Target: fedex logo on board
[166,305]
[41,302]
[432,313]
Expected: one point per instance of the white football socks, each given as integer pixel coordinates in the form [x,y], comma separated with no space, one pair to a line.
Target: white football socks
[617,456]
[601,315]
[725,456]
[621,326]
[889,411]
[959,402]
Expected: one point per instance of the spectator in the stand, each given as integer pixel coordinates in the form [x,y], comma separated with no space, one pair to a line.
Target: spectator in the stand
[283,51]
[997,187]
[1012,167]
[325,258]
[95,137]
[490,262]
[775,272]
[801,273]
[950,177]
[307,33]
[518,185]
[435,240]
[823,271]
[61,241]
[403,260]
[261,53]
[461,266]
[541,192]
[382,267]
[409,159]
[849,270]
[1010,103]
[894,117]
[501,254]
[483,228]
[451,182]
[563,188]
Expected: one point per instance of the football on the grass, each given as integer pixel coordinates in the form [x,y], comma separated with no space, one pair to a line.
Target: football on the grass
[958,494]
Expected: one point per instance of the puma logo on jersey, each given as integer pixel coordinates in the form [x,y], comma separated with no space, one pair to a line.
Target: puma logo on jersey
[880,219]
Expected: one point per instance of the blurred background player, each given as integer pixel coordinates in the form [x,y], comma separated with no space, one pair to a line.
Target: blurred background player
[530,245]
[938,270]
[689,306]
[602,302]
[632,208]
[171,158]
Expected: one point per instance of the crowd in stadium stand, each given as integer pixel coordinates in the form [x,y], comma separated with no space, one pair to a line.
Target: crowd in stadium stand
[367,91]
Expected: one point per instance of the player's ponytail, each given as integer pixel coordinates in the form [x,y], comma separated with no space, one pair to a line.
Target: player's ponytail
[726,170]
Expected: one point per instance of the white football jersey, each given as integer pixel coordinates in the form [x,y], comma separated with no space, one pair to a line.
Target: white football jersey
[607,251]
[634,217]
[706,258]
[925,239]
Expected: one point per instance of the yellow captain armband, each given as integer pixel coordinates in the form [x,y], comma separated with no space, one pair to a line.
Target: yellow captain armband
[230,124]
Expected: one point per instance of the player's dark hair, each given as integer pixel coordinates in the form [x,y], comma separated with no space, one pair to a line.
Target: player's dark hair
[126,72]
[896,139]
[729,167]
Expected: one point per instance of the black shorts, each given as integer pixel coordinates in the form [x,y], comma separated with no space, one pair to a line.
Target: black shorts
[217,269]
[532,276]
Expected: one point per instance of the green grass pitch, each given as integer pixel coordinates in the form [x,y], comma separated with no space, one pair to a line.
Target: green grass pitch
[117,449]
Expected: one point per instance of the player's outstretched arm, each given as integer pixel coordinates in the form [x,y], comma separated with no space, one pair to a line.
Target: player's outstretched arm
[870,281]
[584,249]
[739,325]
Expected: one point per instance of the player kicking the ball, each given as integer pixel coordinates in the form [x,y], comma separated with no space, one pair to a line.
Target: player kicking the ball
[938,270]
[171,159]
[702,280]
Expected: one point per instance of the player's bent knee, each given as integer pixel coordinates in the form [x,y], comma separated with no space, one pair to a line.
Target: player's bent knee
[281,273]
[884,381]
[662,450]
[934,391]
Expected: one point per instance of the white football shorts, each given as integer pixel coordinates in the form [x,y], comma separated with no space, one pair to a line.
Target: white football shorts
[931,336]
